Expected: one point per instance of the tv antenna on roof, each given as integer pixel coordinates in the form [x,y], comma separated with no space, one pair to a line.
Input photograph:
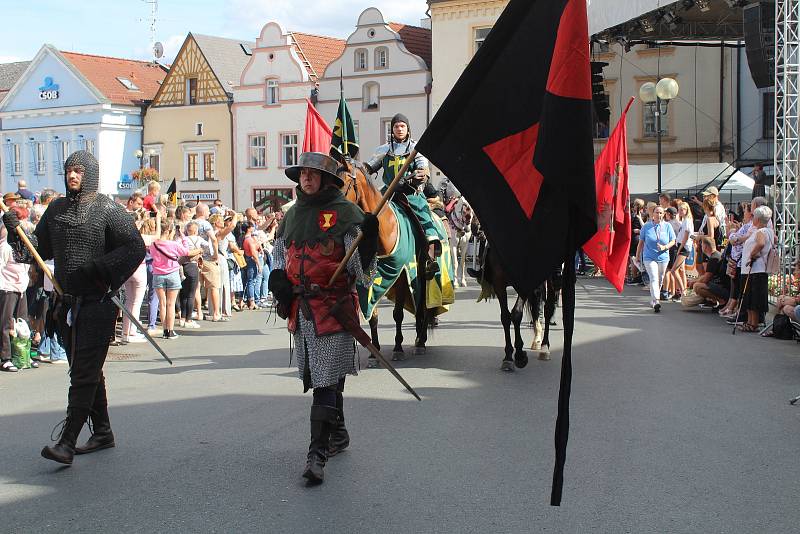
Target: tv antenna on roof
[152,20]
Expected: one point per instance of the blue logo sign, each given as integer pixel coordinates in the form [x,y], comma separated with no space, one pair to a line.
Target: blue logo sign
[126,179]
[49,91]
[49,85]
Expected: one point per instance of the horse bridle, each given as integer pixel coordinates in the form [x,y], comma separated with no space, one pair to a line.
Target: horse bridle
[350,180]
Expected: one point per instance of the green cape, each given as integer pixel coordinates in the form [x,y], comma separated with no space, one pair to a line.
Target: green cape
[303,223]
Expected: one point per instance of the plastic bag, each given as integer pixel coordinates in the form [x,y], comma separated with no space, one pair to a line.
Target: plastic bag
[21,352]
[21,328]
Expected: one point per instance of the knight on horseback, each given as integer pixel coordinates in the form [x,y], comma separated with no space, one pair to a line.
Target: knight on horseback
[390,157]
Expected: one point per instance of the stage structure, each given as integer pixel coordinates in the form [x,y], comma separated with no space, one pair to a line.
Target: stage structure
[787,131]
[630,22]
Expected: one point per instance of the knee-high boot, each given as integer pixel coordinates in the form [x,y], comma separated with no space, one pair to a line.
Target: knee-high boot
[323,419]
[64,450]
[102,436]
[340,438]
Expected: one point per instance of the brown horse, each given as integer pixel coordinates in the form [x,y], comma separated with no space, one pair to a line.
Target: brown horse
[359,190]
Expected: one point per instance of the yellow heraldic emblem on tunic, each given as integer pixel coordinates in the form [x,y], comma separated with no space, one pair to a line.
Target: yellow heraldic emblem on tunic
[327,220]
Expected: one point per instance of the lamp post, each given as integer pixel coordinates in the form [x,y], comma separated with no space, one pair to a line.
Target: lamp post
[138,154]
[656,97]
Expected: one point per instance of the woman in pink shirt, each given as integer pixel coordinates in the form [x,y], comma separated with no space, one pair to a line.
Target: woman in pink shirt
[166,276]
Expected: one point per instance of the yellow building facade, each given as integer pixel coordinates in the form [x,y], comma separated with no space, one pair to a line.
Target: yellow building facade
[188,126]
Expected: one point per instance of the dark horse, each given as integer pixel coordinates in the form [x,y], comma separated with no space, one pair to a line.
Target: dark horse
[393,230]
[495,283]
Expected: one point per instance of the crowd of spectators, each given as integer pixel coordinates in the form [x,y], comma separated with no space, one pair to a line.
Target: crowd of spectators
[204,263]
[729,255]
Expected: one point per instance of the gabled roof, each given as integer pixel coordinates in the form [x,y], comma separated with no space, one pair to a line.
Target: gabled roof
[103,73]
[319,50]
[416,39]
[226,57]
[9,74]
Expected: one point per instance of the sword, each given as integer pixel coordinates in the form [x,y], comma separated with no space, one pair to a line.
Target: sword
[139,326]
[351,325]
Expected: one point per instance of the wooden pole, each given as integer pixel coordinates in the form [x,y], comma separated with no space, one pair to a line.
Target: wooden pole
[376,211]
[39,261]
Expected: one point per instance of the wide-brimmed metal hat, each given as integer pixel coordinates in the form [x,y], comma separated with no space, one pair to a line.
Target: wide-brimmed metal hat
[318,161]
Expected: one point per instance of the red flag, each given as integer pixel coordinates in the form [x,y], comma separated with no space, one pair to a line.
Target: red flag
[318,133]
[609,246]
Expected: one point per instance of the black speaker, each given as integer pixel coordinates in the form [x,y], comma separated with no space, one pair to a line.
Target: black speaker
[759,42]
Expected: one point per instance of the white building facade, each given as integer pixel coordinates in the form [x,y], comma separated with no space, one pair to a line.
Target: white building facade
[381,77]
[55,109]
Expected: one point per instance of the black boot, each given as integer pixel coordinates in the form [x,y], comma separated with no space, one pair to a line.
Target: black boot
[340,439]
[63,451]
[102,437]
[323,419]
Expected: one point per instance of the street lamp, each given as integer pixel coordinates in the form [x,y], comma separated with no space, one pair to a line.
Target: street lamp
[656,97]
[138,154]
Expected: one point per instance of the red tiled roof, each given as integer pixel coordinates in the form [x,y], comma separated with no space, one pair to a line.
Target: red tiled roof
[416,39]
[319,50]
[103,72]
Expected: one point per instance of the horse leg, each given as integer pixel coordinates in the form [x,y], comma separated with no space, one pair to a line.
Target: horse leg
[505,319]
[397,315]
[549,312]
[372,362]
[421,318]
[454,247]
[463,245]
[520,357]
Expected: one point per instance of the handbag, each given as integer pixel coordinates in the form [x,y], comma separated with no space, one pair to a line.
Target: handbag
[239,257]
[782,328]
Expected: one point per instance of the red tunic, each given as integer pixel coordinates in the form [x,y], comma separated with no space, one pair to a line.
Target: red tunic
[309,268]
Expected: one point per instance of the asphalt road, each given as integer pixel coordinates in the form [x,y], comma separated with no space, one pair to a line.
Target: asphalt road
[676,426]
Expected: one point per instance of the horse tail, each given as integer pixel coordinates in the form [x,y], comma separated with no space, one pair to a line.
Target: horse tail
[533,304]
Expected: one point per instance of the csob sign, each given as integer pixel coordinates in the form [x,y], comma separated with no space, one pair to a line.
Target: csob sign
[48,91]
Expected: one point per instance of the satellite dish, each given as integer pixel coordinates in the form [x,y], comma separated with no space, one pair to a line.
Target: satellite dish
[158,50]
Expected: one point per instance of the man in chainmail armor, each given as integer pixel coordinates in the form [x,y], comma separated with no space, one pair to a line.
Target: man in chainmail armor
[96,247]
[390,157]
[309,245]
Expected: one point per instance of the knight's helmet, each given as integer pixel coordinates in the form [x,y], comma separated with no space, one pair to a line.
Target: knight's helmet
[91,177]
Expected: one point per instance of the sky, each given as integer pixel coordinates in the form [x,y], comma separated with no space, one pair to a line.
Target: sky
[121,28]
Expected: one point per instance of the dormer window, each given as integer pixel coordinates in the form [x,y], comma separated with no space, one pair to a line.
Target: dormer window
[361,59]
[381,57]
[129,85]
[272,93]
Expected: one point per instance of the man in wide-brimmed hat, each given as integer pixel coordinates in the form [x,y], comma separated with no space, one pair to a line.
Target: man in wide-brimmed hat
[309,245]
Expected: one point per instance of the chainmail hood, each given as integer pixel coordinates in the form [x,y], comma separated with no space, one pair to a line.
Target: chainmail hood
[79,202]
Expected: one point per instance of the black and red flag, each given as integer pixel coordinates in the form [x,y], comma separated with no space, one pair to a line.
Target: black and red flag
[515,136]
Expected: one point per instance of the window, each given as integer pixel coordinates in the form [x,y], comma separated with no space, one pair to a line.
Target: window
[208,166]
[90,146]
[272,92]
[381,57]
[768,115]
[361,59]
[599,127]
[154,162]
[191,167]
[386,129]
[191,91]
[41,163]
[356,129]
[16,158]
[129,85]
[649,122]
[371,96]
[480,36]
[258,151]
[198,128]
[288,150]
[269,200]
[62,153]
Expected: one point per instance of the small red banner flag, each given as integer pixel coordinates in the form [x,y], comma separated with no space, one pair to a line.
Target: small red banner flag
[609,246]
[318,134]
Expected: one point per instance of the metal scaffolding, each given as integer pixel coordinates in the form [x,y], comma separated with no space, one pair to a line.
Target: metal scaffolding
[787,131]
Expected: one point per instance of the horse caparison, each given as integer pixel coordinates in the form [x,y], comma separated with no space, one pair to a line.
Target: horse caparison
[360,190]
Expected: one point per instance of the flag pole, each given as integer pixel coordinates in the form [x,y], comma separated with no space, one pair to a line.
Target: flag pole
[376,211]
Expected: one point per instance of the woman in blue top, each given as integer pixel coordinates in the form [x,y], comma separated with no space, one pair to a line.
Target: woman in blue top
[655,240]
